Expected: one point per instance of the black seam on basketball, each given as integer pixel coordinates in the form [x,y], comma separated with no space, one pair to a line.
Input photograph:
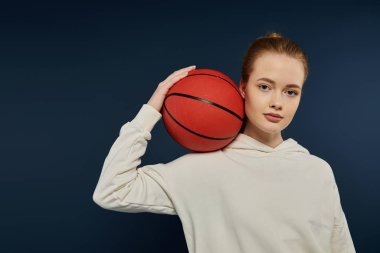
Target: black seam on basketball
[233,85]
[204,100]
[200,135]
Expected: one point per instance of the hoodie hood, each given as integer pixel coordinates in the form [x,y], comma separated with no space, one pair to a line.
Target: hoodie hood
[246,142]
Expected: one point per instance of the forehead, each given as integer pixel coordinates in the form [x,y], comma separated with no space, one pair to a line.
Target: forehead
[278,67]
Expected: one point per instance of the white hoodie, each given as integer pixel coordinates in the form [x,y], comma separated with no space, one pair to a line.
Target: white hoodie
[246,197]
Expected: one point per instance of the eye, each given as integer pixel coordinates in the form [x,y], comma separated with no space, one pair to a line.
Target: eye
[294,92]
[263,85]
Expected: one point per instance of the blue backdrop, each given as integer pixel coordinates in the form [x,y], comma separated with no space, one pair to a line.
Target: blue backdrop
[72,73]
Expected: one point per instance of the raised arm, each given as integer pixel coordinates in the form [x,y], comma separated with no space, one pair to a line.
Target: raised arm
[123,186]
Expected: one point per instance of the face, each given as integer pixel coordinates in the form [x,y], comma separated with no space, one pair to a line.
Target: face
[271,94]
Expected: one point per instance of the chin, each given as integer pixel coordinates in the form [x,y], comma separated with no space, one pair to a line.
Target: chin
[270,128]
[272,131]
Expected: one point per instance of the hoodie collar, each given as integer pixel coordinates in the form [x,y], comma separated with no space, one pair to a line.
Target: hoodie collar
[243,141]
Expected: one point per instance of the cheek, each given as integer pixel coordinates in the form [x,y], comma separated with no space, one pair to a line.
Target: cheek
[256,101]
[254,107]
[291,111]
[294,105]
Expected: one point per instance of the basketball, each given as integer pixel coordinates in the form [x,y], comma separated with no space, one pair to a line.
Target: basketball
[203,111]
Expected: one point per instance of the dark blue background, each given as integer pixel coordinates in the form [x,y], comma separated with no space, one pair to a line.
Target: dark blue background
[72,73]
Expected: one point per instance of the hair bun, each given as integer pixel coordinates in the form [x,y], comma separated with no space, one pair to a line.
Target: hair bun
[273,35]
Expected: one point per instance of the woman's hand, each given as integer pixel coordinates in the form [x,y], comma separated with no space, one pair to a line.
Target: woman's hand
[159,94]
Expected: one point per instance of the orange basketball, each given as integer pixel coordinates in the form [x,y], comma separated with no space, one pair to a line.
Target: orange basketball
[203,111]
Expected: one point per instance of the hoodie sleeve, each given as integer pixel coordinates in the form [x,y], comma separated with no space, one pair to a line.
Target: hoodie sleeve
[122,186]
[341,241]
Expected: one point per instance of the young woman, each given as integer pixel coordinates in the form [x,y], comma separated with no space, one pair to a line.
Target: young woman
[260,193]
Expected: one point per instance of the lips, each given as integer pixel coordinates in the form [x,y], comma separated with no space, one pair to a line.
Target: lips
[271,118]
[273,115]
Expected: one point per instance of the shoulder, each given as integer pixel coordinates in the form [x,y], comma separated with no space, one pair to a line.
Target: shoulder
[185,167]
[193,158]
[323,167]
[193,162]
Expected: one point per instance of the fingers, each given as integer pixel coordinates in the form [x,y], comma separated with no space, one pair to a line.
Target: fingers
[159,94]
[185,69]
[179,72]
[176,78]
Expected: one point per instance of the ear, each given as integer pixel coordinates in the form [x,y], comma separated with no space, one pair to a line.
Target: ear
[242,86]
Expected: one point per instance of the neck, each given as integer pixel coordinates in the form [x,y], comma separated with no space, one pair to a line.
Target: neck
[271,140]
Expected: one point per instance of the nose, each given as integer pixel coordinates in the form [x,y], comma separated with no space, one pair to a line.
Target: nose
[276,100]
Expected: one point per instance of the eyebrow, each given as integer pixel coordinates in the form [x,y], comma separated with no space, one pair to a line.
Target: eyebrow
[274,83]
